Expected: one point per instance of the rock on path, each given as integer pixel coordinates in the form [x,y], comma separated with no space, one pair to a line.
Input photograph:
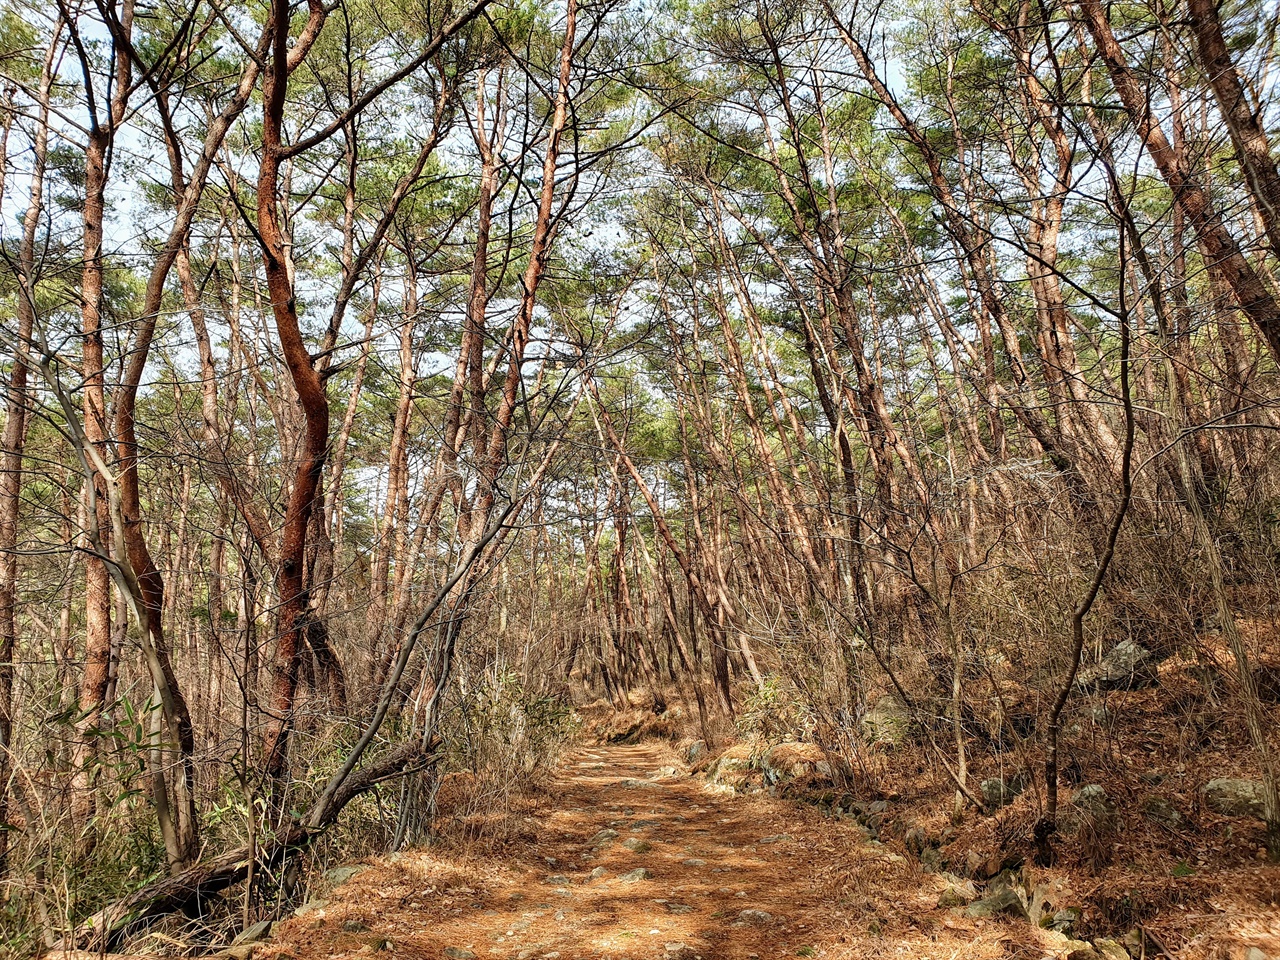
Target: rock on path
[624,861]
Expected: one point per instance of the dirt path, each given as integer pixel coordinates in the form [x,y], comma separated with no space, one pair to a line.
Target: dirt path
[623,861]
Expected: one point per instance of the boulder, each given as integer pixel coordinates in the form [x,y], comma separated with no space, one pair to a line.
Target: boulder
[1065,920]
[696,751]
[1005,896]
[337,876]
[997,792]
[622,728]
[1092,800]
[931,859]
[1129,666]
[253,934]
[795,761]
[887,722]
[1004,902]
[1111,949]
[1163,812]
[633,784]
[1234,798]
[957,893]
[1099,714]
[732,767]
[1067,947]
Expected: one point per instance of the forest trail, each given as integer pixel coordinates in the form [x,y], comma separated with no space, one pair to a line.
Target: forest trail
[724,878]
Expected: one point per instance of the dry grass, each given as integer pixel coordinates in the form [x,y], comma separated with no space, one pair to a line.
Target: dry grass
[830,894]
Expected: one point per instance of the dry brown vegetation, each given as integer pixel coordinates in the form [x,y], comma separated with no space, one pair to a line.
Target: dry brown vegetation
[397,392]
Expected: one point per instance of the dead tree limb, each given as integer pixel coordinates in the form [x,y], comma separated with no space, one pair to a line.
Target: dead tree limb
[106,929]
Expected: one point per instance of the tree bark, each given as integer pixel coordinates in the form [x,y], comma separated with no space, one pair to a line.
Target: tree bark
[312,398]
[13,441]
[1253,149]
[1220,248]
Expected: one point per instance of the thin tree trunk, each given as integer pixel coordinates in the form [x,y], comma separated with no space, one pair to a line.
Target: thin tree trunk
[13,441]
[1253,149]
[1220,248]
[286,56]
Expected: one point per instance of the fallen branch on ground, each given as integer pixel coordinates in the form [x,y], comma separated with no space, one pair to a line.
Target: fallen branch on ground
[104,930]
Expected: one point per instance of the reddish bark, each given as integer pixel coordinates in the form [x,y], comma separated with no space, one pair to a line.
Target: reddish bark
[1219,247]
[15,431]
[291,618]
[1253,149]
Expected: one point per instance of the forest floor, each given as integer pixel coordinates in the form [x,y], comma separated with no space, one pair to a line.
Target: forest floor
[724,878]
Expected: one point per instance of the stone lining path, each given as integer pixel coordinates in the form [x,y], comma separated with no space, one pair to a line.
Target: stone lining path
[624,859]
